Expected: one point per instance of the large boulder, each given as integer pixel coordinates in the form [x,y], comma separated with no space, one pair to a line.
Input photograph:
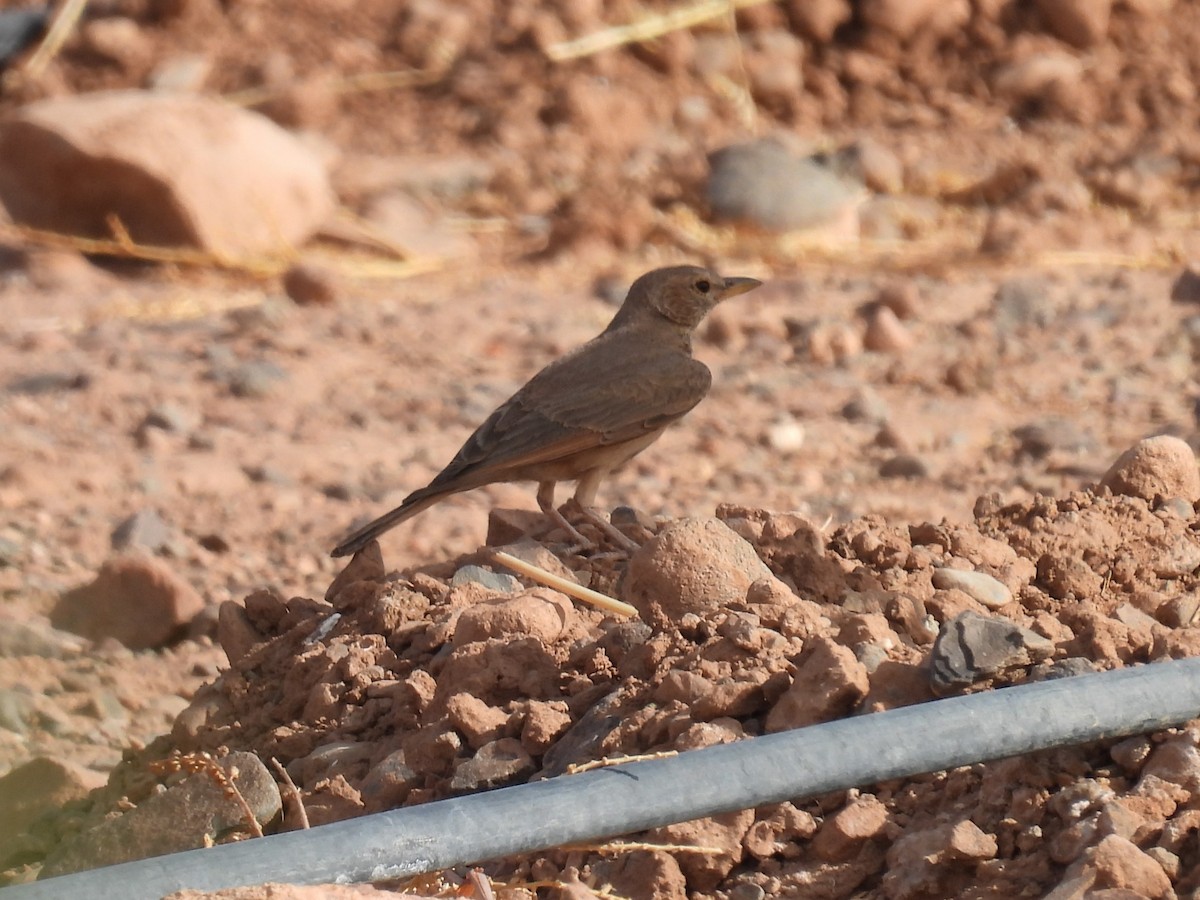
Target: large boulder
[176,169]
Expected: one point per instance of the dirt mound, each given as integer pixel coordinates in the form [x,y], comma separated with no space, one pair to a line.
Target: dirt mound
[404,688]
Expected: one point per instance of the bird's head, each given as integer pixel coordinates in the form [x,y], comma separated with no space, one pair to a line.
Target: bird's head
[681,294]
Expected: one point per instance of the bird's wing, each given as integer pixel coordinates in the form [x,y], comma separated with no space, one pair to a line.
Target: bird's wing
[588,399]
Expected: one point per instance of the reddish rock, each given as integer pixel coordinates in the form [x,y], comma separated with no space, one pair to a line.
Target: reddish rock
[829,682]
[1120,864]
[539,613]
[904,18]
[692,566]
[134,599]
[41,785]
[886,333]
[1081,23]
[1160,467]
[723,833]
[642,873]
[922,862]
[545,722]
[819,19]
[475,720]
[176,169]
[845,832]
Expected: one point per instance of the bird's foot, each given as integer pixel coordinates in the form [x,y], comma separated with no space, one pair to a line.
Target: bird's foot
[578,541]
[597,518]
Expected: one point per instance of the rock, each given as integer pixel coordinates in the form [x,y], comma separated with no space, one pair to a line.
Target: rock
[507,526]
[134,599]
[119,40]
[475,720]
[146,530]
[1176,760]
[774,64]
[1081,23]
[186,816]
[723,833]
[17,709]
[980,586]
[500,582]
[829,682]
[920,861]
[311,285]
[870,162]
[539,613]
[389,782]
[1186,288]
[904,18]
[176,169]
[1155,468]
[184,73]
[886,333]
[844,833]
[415,228]
[38,639]
[904,465]
[785,436]
[693,566]
[640,873]
[1035,76]
[819,19]
[545,722]
[494,765]
[1120,864]
[171,418]
[254,379]
[971,647]
[235,632]
[39,786]
[763,184]
[365,565]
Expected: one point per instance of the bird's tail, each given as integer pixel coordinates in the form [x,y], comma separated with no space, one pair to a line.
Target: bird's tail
[413,504]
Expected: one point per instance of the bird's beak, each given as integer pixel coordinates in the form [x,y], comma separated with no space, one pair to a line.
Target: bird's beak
[736,285]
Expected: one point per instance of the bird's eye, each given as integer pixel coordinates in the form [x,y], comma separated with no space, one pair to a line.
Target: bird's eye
[703,286]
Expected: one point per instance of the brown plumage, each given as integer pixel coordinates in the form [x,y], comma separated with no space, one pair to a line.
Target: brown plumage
[591,411]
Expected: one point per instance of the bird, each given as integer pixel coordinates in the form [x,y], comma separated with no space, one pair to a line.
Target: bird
[589,412]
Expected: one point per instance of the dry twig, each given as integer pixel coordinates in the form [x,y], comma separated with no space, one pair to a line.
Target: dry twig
[570,588]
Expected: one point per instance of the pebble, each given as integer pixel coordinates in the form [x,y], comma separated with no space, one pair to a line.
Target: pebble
[1158,467]
[1081,23]
[495,764]
[311,285]
[40,786]
[1186,288]
[844,833]
[866,406]
[186,816]
[255,379]
[501,582]
[886,333]
[695,565]
[763,184]
[870,162]
[147,530]
[980,586]
[904,465]
[17,710]
[137,600]
[785,436]
[971,647]
[829,683]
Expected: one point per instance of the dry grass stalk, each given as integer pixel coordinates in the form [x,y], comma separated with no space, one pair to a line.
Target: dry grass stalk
[645,29]
[56,35]
[570,588]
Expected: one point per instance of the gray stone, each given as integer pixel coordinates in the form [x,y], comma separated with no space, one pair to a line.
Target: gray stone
[495,581]
[186,816]
[16,710]
[971,647]
[388,783]
[35,639]
[981,586]
[497,763]
[763,183]
[146,529]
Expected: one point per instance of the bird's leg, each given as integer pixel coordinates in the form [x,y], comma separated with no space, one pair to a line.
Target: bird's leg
[585,497]
[545,500]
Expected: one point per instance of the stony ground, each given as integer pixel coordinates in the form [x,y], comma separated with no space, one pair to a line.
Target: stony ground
[944,391]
